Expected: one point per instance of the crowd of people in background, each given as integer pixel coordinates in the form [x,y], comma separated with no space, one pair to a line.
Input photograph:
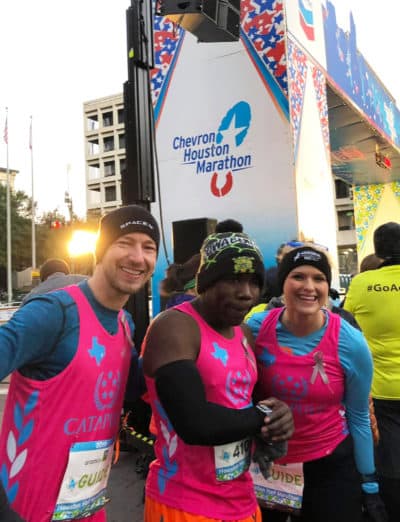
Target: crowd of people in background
[247,370]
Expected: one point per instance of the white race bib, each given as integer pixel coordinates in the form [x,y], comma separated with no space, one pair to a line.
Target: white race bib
[283,489]
[83,489]
[231,460]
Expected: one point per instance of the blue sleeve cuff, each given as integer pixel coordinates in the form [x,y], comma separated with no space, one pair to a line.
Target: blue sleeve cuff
[370,487]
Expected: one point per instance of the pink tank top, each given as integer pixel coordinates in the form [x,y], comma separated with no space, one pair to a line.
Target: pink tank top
[312,385]
[80,406]
[196,479]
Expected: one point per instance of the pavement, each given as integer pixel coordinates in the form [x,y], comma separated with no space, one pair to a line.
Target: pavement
[125,485]
[126,491]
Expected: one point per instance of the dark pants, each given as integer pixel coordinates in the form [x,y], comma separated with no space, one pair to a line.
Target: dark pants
[388,455]
[332,491]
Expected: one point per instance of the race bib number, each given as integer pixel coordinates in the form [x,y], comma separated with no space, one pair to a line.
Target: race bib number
[283,489]
[83,489]
[231,460]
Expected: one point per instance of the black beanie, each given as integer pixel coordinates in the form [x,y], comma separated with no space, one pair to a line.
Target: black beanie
[228,253]
[387,241]
[303,256]
[125,220]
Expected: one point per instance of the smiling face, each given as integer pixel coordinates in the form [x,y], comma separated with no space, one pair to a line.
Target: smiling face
[128,263]
[305,290]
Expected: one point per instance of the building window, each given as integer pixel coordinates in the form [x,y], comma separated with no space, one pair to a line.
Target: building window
[121,116]
[107,119]
[92,122]
[346,220]
[94,196]
[109,168]
[342,189]
[122,166]
[108,143]
[121,138]
[110,193]
[94,171]
[93,146]
[347,265]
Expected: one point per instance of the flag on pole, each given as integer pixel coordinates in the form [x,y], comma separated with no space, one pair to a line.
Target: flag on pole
[5,135]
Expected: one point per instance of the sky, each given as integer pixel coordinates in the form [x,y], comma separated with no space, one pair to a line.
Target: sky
[57,55]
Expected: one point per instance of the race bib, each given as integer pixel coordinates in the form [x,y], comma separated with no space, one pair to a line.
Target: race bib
[231,460]
[283,489]
[83,489]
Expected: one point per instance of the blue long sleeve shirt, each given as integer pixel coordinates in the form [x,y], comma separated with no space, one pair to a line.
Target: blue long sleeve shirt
[41,338]
[355,358]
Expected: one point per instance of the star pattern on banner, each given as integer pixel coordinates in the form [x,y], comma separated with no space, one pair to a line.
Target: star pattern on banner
[320,92]
[167,36]
[263,23]
[297,75]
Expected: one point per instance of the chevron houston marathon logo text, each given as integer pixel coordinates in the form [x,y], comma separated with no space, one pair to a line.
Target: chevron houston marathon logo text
[219,153]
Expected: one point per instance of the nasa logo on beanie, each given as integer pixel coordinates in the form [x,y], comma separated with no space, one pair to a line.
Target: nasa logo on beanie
[125,220]
[387,241]
[228,253]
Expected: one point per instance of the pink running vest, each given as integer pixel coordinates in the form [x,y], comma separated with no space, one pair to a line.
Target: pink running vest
[43,419]
[316,405]
[183,476]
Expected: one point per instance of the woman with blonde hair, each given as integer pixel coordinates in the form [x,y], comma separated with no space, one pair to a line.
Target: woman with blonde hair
[321,366]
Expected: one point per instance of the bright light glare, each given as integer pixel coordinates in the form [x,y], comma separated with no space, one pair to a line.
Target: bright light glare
[82,242]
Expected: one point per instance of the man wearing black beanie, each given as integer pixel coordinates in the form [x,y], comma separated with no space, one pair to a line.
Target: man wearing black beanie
[69,353]
[200,372]
[373,298]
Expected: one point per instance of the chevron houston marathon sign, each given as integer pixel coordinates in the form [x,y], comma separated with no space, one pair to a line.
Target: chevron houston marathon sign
[218,151]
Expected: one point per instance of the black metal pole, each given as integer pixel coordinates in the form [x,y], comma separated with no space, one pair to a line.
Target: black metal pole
[137,181]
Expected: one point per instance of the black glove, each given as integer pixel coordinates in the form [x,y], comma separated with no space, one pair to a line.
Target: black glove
[374,508]
[266,452]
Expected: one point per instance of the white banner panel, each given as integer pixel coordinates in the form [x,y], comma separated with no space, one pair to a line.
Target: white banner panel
[304,22]
[224,148]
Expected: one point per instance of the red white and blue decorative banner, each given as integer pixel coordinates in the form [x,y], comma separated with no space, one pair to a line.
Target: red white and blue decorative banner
[263,34]
[306,18]
[297,76]
[320,92]
[168,39]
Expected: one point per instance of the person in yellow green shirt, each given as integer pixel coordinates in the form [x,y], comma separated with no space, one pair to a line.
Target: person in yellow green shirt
[374,298]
